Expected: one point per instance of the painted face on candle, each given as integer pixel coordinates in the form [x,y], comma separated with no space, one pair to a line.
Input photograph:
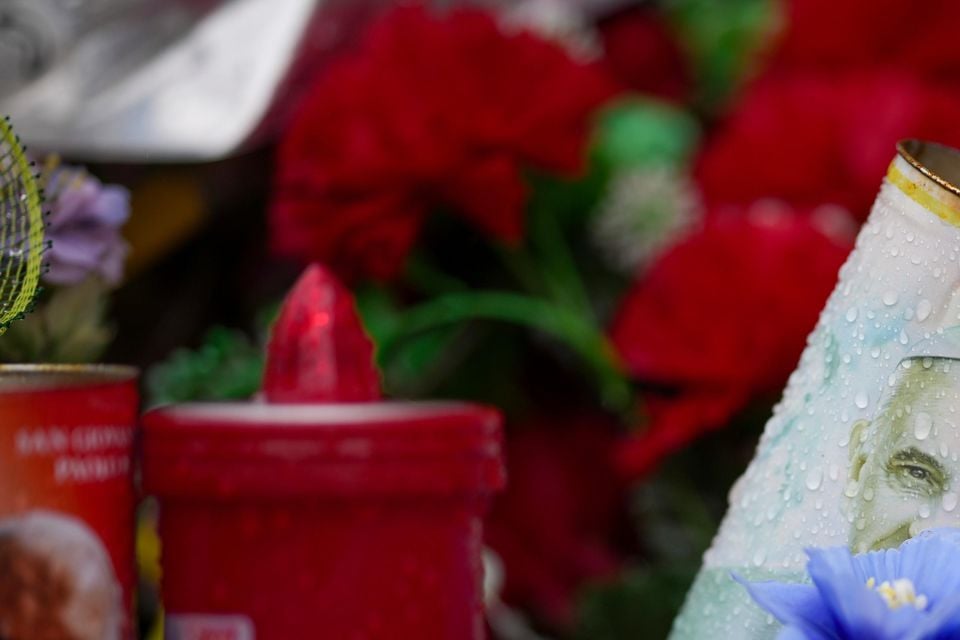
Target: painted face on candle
[905,464]
[56,580]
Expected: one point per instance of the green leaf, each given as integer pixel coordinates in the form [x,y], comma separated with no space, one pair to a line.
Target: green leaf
[569,327]
[724,38]
[639,132]
[423,362]
[377,311]
[69,325]
[227,366]
[641,604]
[568,200]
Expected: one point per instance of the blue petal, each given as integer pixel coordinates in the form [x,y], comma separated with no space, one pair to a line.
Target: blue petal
[946,534]
[794,633]
[879,565]
[858,612]
[932,562]
[794,605]
[942,621]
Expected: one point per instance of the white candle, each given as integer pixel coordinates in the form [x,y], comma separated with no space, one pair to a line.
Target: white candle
[864,446]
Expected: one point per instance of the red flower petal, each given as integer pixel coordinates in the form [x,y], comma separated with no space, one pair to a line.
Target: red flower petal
[432,111]
[719,320]
[491,194]
[641,52]
[731,306]
[553,527]
[826,35]
[363,236]
[813,139]
[675,423]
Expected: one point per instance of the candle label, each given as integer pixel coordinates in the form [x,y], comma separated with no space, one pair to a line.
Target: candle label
[66,510]
[209,627]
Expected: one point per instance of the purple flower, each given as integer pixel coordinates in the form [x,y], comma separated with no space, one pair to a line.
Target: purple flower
[85,220]
[910,593]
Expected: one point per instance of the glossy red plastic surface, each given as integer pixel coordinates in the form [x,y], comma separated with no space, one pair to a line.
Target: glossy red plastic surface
[318,349]
[359,521]
[66,444]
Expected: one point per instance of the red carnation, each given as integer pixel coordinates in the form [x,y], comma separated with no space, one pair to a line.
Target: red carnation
[720,319]
[553,528]
[431,113]
[827,35]
[642,53]
[813,139]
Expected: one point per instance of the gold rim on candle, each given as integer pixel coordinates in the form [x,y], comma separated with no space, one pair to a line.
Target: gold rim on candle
[938,162]
[928,173]
[20,376]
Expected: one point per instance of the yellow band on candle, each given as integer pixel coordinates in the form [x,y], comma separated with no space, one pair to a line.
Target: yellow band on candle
[945,211]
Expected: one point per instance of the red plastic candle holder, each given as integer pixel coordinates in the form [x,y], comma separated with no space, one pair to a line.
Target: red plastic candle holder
[347,521]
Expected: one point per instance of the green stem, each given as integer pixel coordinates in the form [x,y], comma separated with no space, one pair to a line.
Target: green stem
[566,325]
[560,272]
[430,280]
[520,265]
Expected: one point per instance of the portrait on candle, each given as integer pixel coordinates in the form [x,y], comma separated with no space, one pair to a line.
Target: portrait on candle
[56,580]
[904,466]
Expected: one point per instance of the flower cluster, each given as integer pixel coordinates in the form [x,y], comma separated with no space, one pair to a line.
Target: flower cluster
[711,321]
[812,134]
[646,208]
[434,112]
[84,261]
[910,593]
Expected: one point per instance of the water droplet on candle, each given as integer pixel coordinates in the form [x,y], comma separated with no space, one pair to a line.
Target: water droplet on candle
[923,310]
[890,298]
[852,489]
[851,314]
[950,501]
[861,400]
[814,478]
[922,425]
[924,511]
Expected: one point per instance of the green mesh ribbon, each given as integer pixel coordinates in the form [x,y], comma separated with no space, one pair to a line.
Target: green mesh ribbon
[21,229]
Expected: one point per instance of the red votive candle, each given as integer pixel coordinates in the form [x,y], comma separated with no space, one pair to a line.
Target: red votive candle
[346,521]
[325,513]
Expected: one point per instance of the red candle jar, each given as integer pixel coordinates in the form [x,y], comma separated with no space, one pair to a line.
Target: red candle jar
[67,505]
[347,521]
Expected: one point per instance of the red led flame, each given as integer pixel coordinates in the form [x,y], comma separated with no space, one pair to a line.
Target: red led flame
[318,350]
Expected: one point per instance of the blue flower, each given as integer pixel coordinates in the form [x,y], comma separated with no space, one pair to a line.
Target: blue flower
[910,593]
